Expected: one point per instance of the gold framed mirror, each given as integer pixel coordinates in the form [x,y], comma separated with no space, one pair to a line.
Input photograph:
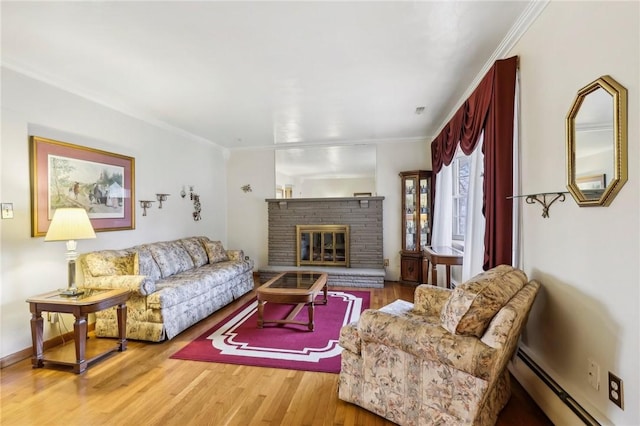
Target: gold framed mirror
[597,142]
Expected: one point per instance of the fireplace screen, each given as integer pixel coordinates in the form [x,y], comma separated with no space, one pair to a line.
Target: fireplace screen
[326,245]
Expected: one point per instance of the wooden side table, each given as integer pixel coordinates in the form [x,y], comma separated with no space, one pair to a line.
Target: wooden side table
[442,256]
[80,306]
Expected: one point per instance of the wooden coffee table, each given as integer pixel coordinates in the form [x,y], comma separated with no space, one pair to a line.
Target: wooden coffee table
[292,288]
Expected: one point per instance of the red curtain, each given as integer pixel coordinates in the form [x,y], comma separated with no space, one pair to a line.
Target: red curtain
[489,109]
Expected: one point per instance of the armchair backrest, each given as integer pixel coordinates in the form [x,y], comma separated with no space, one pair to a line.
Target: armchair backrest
[475,302]
[493,306]
[505,328]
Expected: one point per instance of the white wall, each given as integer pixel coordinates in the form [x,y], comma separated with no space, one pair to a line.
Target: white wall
[394,158]
[247,216]
[247,211]
[585,258]
[164,162]
[329,188]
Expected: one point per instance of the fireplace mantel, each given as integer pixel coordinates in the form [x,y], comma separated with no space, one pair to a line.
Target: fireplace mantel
[284,202]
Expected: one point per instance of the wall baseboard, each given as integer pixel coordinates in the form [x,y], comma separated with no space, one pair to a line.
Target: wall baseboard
[48,344]
[556,403]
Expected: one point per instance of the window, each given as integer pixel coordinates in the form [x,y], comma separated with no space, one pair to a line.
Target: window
[461,166]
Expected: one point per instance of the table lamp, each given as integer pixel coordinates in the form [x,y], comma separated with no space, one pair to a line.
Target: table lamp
[70,224]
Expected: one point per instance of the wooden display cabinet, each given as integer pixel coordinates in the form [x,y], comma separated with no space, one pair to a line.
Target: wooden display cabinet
[416,225]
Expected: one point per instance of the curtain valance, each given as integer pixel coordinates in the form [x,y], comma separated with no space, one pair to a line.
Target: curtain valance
[490,108]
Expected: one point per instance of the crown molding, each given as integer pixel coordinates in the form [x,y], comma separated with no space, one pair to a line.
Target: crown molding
[121,108]
[519,28]
[317,144]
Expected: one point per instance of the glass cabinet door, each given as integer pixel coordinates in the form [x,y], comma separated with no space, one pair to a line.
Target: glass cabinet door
[424,213]
[416,225]
[410,213]
[416,210]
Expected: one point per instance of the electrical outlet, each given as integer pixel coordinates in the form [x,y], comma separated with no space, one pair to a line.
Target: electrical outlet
[386,262]
[52,317]
[616,394]
[593,373]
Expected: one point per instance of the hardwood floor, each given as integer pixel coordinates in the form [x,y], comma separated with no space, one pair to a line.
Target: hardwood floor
[143,386]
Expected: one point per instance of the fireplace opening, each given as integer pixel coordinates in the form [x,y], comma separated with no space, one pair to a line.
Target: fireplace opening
[322,245]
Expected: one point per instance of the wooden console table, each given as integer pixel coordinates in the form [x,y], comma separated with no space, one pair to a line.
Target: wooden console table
[80,306]
[442,256]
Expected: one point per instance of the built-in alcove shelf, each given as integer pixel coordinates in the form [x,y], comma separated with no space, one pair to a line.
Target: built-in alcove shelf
[533,198]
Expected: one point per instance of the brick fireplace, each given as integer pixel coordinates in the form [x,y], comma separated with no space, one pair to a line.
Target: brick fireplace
[361,215]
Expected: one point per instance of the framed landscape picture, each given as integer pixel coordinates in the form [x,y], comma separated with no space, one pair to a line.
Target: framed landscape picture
[67,175]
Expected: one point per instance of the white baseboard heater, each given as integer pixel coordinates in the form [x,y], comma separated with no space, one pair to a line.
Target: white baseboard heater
[557,389]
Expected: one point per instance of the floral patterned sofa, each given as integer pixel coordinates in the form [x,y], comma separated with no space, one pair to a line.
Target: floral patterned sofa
[443,359]
[174,284]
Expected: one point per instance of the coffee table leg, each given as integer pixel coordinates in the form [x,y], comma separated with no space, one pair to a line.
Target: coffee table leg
[311,309]
[260,313]
[121,311]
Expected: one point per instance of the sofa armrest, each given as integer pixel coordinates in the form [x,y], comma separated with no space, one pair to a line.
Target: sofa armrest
[427,342]
[430,300]
[141,284]
[349,338]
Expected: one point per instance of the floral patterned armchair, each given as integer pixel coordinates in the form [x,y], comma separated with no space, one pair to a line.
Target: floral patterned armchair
[441,360]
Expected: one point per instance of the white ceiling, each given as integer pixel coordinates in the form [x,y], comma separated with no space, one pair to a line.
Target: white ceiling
[255,74]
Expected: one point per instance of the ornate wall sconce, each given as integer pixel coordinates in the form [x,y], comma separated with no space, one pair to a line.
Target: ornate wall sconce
[196,206]
[145,204]
[161,198]
[196,201]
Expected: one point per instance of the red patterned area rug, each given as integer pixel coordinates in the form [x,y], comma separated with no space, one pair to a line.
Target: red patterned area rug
[238,340]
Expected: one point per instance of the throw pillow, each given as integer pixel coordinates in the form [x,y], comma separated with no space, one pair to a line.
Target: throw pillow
[110,262]
[196,250]
[146,264]
[474,303]
[215,251]
[171,258]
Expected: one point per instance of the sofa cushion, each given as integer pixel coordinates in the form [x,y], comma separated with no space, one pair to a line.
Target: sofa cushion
[474,303]
[146,263]
[215,251]
[196,250]
[171,257]
[110,262]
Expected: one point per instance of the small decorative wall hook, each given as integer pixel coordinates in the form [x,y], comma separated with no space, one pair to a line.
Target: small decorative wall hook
[161,198]
[183,193]
[246,188]
[145,204]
